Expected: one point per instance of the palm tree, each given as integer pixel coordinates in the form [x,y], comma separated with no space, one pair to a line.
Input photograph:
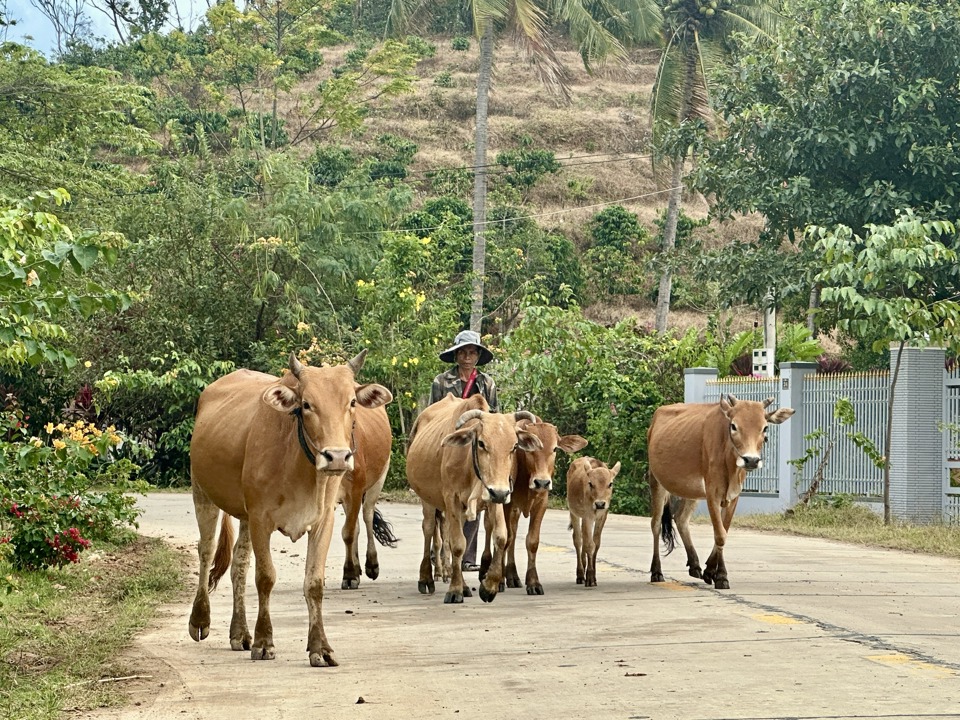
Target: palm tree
[695,35]
[593,26]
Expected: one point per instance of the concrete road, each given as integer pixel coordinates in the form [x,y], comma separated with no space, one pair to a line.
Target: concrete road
[809,629]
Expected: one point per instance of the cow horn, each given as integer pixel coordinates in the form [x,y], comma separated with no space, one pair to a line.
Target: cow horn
[295,367]
[767,403]
[732,399]
[524,415]
[357,362]
[468,416]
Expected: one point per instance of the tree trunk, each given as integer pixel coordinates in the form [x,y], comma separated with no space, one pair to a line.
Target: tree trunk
[669,243]
[480,178]
[812,309]
[888,440]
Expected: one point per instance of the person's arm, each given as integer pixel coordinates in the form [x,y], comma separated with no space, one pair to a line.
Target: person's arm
[435,390]
[492,399]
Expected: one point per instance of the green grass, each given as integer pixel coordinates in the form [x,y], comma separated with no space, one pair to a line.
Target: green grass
[63,631]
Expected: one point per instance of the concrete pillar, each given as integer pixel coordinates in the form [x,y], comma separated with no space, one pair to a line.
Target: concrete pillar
[695,383]
[792,445]
[916,448]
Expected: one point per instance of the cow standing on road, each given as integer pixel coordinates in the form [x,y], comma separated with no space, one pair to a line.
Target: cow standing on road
[697,451]
[273,453]
[589,489]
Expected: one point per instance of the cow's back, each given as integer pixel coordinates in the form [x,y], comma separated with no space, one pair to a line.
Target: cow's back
[675,441]
[227,411]
[373,439]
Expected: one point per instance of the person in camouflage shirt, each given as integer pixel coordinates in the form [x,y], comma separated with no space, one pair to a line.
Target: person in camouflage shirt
[465,380]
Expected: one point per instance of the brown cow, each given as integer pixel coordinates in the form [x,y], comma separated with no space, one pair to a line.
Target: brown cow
[589,489]
[531,490]
[273,453]
[460,460]
[698,451]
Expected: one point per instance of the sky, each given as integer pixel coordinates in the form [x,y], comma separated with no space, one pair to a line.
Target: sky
[31,22]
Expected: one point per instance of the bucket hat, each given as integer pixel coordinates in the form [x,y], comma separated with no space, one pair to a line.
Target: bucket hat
[464,338]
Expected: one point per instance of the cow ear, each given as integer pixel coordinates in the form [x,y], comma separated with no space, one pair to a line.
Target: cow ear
[572,443]
[281,398]
[726,403]
[373,395]
[528,442]
[775,418]
[615,470]
[461,437]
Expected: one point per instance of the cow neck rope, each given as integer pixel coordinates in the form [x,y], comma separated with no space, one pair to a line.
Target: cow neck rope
[305,442]
[476,468]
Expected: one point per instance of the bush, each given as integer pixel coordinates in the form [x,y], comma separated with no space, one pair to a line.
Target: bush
[460,43]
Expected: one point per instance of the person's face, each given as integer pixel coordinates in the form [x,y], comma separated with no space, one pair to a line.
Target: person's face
[467,356]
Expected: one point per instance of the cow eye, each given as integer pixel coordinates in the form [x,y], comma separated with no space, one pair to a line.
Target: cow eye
[733,427]
[481,445]
[353,403]
[591,485]
[306,405]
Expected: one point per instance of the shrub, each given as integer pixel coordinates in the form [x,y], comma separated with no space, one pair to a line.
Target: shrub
[460,43]
[443,79]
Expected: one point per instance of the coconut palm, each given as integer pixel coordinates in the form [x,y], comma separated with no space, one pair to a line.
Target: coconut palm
[593,26]
[696,37]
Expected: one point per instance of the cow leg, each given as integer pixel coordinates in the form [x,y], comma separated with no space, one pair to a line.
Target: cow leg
[687,506]
[265,577]
[715,571]
[352,500]
[537,510]
[372,564]
[453,524]
[239,633]
[430,533]
[658,499]
[588,552]
[207,514]
[577,526]
[510,574]
[318,545]
[592,566]
[497,527]
[486,557]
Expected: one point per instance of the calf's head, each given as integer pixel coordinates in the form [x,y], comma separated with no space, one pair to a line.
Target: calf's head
[494,439]
[748,421]
[599,485]
[324,401]
[536,467]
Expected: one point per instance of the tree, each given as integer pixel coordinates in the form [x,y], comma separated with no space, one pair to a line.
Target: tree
[849,117]
[899,283]
[590,28]
[696,37]
[70,21]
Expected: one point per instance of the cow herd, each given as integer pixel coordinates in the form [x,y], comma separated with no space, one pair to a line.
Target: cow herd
[281,454]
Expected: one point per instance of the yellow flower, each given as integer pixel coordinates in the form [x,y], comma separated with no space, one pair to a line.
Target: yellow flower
[302,328]
[87,364]
[59,444]
[61,427]
[48,427]
[425,241]
[393,360]
[37,442]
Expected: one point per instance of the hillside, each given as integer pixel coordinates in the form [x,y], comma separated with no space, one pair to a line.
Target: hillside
[600,137]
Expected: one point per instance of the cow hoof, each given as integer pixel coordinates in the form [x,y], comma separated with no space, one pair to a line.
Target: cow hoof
[350,584]
[721,584]
[656,577]
[467,592]
[513,582]
[199,633]
[323,659]
[696,572]
[452,598]
[240,643]
[426,588]
[535,589]
[590,583]
[263,653]
[487,595]
[373,571]
[579,579]
[502,587]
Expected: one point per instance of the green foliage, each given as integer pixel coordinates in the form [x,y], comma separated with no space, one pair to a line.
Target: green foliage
[460,43]
[443,79]
[330,164]
[59,495]
[39,254]
[526,165]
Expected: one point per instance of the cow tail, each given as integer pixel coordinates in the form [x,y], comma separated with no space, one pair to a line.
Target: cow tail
[667,532]
[383,530]
[224,554]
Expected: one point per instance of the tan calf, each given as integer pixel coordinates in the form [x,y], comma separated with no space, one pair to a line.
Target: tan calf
[461,460]
[703,451]
[589,489]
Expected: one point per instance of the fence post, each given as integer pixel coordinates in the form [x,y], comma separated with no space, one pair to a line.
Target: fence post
[793,375]
[695,383]
[916,443]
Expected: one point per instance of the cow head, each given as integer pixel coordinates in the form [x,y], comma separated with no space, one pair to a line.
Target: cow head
[325,400]
[748,421]
[599,485]
[536,467]
[494,439]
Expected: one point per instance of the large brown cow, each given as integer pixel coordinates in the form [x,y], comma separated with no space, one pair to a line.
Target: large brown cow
[703,450]
[531,490]
[273,454]
[460,460]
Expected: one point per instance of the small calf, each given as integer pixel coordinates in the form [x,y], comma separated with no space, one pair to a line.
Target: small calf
[589,487]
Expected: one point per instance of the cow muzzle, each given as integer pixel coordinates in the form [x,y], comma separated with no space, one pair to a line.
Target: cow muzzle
[541,483]
[600,505]
[335,460]
[750,462]
[498,496]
